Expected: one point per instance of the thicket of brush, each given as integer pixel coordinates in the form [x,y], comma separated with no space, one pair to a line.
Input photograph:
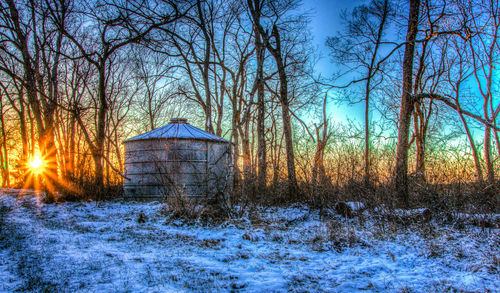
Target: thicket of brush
[448,186]
[445,203]
[450,197]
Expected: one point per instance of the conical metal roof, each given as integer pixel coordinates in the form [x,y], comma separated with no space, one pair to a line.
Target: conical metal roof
[178,128]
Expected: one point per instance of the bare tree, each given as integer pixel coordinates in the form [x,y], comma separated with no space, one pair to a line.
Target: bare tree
[34,43]
[407,102]
[323,135]
[194,45]
[359,47]
[261,111]
[155,77]
[4,156]
[115,27]
[13,92]
[273,40]
[457,75]
[484,48]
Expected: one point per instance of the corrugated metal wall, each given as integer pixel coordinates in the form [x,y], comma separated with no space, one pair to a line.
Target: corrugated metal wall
[162,168]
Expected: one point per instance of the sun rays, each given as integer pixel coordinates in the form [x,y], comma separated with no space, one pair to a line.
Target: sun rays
[41,174]
[36,164]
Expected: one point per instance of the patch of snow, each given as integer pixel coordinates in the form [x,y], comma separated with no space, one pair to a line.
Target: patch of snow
[355,205]
[100,246]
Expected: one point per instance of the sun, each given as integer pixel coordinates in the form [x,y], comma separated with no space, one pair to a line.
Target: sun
[36,163]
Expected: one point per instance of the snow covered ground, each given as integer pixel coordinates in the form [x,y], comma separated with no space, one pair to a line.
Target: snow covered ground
[101,247]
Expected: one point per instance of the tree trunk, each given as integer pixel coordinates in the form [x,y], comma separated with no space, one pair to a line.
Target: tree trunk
[3,182]
[419,117]
[236,149]
[401,170]
[245,145]
[98,150]
[420,155]
[475,155]
[490,172]
[285,112]
[420,136]
[497,141]
[276,150]
[261,112]
[290,157]
[50,107]
[4,152]
[276,52]
[33,82]
[24,133]
[277,160]
[367,152]
[70,170]
[321,142]
[32,135]
[319,174]
[205,71]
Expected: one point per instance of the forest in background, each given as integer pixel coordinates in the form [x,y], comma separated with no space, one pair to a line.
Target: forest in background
[78,77]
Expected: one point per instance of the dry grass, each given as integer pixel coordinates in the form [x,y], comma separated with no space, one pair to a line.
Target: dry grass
[191,210]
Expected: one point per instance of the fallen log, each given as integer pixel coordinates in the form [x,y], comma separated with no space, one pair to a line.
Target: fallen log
[349,209]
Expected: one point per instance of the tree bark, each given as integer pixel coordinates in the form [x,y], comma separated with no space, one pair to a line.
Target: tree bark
[261,112]
[285,112]
[276,52]
[401,170]
[70,169]
[475,155]
[247,161]
[205,71]
[490,172]
[4,152]
[98,151]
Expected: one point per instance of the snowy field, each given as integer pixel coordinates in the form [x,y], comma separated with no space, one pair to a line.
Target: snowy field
[101,247]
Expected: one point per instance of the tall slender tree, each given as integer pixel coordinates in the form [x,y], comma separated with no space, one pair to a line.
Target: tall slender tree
[407,104]
[272,40]
[358,47]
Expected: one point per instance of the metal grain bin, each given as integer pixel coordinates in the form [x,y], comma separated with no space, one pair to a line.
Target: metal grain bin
[177,159]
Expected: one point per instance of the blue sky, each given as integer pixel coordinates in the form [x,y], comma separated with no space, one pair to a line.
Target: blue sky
[325,22]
